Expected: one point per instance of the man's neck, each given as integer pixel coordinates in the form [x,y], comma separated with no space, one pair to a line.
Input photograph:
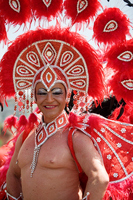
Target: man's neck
[46,121]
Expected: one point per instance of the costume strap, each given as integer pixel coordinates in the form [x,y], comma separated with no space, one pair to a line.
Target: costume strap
[70,144]
[82,176]
[87,196]
[10,197]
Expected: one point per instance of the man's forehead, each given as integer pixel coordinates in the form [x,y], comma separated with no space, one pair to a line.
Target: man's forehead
[56,85]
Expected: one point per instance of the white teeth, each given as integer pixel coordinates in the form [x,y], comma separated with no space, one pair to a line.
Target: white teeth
[49,106]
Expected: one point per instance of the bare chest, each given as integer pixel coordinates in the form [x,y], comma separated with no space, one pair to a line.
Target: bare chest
[54,153]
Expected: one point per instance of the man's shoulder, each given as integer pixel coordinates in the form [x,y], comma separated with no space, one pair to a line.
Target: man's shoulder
[26,133]
[80,137]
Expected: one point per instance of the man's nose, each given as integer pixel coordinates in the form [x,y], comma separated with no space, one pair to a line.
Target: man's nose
[49,97]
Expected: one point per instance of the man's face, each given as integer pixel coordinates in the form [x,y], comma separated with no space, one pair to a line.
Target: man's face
[51,103]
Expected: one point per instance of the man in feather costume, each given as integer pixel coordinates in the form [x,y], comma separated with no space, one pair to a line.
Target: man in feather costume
[57,154]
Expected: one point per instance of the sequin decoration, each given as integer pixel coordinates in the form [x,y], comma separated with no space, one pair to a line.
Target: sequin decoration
[15,5]
[126,56]
[20,104]
[47,2]
[43,133]
[24,71]
[128,84]
[78,83]
[81,5]
[49,53]
[23,84]
[31,101]
[15,107]
[33,58]
[27,102]
[24,103]
[49,76]
[76,70]
[66,58]
[110,26]
[113,151]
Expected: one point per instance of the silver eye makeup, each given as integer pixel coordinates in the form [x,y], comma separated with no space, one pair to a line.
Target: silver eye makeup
[42,91]
[55,91]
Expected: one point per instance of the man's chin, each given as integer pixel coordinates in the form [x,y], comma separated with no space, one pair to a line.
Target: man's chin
[49,116]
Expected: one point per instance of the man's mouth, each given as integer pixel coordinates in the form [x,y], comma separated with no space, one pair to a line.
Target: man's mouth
[50,107]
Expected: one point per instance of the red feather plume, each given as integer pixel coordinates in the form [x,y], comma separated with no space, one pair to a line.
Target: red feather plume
[111,26]
[15,11]
[48,9]
[3,34]
[120,56]
[81,10]
[122,85]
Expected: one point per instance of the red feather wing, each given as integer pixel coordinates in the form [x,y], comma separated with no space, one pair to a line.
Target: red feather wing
[115,142]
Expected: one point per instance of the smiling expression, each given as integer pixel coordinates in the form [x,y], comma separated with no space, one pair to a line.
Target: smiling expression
[51,103]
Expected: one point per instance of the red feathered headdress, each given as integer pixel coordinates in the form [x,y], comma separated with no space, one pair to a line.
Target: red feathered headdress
[58,47]
[81,10]
[111,26]
[15,11]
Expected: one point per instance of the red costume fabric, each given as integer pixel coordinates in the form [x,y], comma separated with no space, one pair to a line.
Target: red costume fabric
[114,142]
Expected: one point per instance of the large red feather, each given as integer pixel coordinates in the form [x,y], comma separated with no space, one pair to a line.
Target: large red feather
[120,56]
[15,11]
[48,9]
[81,10]
[122,85]
[107,31]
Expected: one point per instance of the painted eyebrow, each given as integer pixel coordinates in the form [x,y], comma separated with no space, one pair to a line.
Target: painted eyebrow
[51,90]
[42,89]
[56,88]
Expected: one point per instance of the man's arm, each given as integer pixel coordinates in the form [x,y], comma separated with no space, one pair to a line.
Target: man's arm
[92,165]
[13,177]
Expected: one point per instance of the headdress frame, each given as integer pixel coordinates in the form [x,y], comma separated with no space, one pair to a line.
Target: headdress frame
[68,50]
